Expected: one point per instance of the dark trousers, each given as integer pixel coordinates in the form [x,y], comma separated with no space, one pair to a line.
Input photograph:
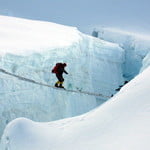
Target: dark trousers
[60,77]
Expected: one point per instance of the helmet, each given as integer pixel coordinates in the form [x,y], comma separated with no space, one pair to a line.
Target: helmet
[64,64]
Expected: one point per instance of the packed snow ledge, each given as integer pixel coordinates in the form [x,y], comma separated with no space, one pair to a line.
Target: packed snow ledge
[31,48]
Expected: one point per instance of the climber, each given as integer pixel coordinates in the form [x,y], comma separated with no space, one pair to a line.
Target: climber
[59,69]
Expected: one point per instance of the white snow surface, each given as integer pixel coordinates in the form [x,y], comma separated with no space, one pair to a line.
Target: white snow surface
[24,37]
[31,48]
[122,123]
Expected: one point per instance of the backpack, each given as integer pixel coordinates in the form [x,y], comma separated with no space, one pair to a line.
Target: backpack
[55,69]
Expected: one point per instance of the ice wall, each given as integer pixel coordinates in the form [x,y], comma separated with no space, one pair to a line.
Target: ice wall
[146,62]
[122,123]
[136,47]
[31,48]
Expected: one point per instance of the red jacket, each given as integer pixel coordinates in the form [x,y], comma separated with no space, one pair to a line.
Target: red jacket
[59,69]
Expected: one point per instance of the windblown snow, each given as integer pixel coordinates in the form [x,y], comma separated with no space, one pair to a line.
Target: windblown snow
[30,49]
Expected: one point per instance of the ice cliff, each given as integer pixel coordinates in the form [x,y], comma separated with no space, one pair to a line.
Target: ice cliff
[31,48]
[135,45]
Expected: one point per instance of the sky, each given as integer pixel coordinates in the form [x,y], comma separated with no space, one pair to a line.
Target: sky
[130,15]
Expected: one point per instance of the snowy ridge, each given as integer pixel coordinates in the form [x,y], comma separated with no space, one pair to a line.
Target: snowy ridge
[27,36]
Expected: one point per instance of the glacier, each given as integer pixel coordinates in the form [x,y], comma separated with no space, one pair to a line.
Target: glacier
[120,123]
[30,49]
[135,45]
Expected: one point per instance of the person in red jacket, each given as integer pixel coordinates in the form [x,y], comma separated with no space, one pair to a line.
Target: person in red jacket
[59,69]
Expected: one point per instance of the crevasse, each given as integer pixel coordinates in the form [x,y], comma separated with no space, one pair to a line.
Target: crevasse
[93,65]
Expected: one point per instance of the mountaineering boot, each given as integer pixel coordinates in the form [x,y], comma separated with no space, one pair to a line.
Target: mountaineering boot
[61,86]
[56,84]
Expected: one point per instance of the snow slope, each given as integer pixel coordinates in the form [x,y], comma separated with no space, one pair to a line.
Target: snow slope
[121,123]
[31,48]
